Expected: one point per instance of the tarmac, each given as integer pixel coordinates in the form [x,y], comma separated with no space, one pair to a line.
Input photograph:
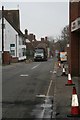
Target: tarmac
[63,95]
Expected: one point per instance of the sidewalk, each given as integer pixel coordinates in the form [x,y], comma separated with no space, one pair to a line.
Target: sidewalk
[64,93]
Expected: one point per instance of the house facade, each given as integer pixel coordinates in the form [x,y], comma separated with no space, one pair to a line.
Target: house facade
[14,48]
[74,17]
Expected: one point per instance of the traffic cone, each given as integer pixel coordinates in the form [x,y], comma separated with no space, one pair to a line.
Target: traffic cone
[69,81]
[59,64]
[75,110]
[64,71]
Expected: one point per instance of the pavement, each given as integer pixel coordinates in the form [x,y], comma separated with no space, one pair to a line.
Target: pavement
[63,93]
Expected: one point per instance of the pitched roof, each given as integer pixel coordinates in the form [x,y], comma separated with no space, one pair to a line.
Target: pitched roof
[12,16]
[14,26]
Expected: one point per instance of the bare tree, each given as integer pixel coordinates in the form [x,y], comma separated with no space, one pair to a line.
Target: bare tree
[65,36]
[63,40]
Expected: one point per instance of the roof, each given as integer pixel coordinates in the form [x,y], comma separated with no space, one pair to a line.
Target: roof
[14,26]
[12,16]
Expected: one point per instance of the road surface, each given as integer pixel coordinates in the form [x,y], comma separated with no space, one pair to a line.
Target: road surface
[22,87]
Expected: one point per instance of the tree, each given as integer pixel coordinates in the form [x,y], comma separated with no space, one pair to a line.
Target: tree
[51,44]
[63,39]
[65,36]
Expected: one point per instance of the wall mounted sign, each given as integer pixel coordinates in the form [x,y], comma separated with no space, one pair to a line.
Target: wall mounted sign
[75,24]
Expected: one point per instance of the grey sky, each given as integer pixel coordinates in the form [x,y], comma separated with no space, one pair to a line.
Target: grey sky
[41,18]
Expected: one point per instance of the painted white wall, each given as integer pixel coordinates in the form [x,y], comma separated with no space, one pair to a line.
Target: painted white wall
[20,48]
[9,36]
[0,34]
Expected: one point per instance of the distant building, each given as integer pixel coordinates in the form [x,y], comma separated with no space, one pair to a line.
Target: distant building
[12,40]
[74,60]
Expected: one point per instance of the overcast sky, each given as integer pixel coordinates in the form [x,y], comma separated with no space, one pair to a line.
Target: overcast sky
[41,18]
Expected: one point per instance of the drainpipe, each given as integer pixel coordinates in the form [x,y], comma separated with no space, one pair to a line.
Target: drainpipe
[78,44]
[2,34]
[16,45]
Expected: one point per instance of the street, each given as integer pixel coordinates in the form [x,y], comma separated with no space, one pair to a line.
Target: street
[39,60]
[22,84]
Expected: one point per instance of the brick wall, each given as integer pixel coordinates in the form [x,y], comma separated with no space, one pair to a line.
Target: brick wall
[74,40]
[14,60]
[6,58]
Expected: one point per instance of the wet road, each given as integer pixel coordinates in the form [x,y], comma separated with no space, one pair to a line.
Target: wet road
[21,86]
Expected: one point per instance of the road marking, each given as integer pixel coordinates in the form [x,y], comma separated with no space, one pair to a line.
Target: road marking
[54,72]
[49,88]
[54,104]
[24,75]
[40,96]
[35,66]
[43,113]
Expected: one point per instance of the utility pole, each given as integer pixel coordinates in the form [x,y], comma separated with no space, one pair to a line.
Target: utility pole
[2,34]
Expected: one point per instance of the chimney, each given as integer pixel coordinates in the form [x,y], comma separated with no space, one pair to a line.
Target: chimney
[31,37]
[34,38]
[42,39]
[26,32]
[46,38]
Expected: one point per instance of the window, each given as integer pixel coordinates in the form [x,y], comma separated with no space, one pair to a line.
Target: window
[13,52]
[23,42]
[24,51]
[12,45]
[19,54]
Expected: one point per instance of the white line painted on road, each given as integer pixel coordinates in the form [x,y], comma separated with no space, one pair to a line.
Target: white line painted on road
[54,104]
[40,96]
[24,75]
[54,72]
[49,88]
[42,115]
[35,66]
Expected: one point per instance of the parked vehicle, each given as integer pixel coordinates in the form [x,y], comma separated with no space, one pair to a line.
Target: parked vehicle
[40,54]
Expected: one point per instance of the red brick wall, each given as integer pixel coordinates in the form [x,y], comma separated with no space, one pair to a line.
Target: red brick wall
[74,10]
[74,54]
[14,60]
[6,57]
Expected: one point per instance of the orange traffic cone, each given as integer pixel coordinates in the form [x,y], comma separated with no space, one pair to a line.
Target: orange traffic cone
[75,110]
[64,71]
[69,81]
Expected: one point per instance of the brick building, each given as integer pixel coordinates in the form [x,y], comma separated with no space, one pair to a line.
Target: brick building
[74,17]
